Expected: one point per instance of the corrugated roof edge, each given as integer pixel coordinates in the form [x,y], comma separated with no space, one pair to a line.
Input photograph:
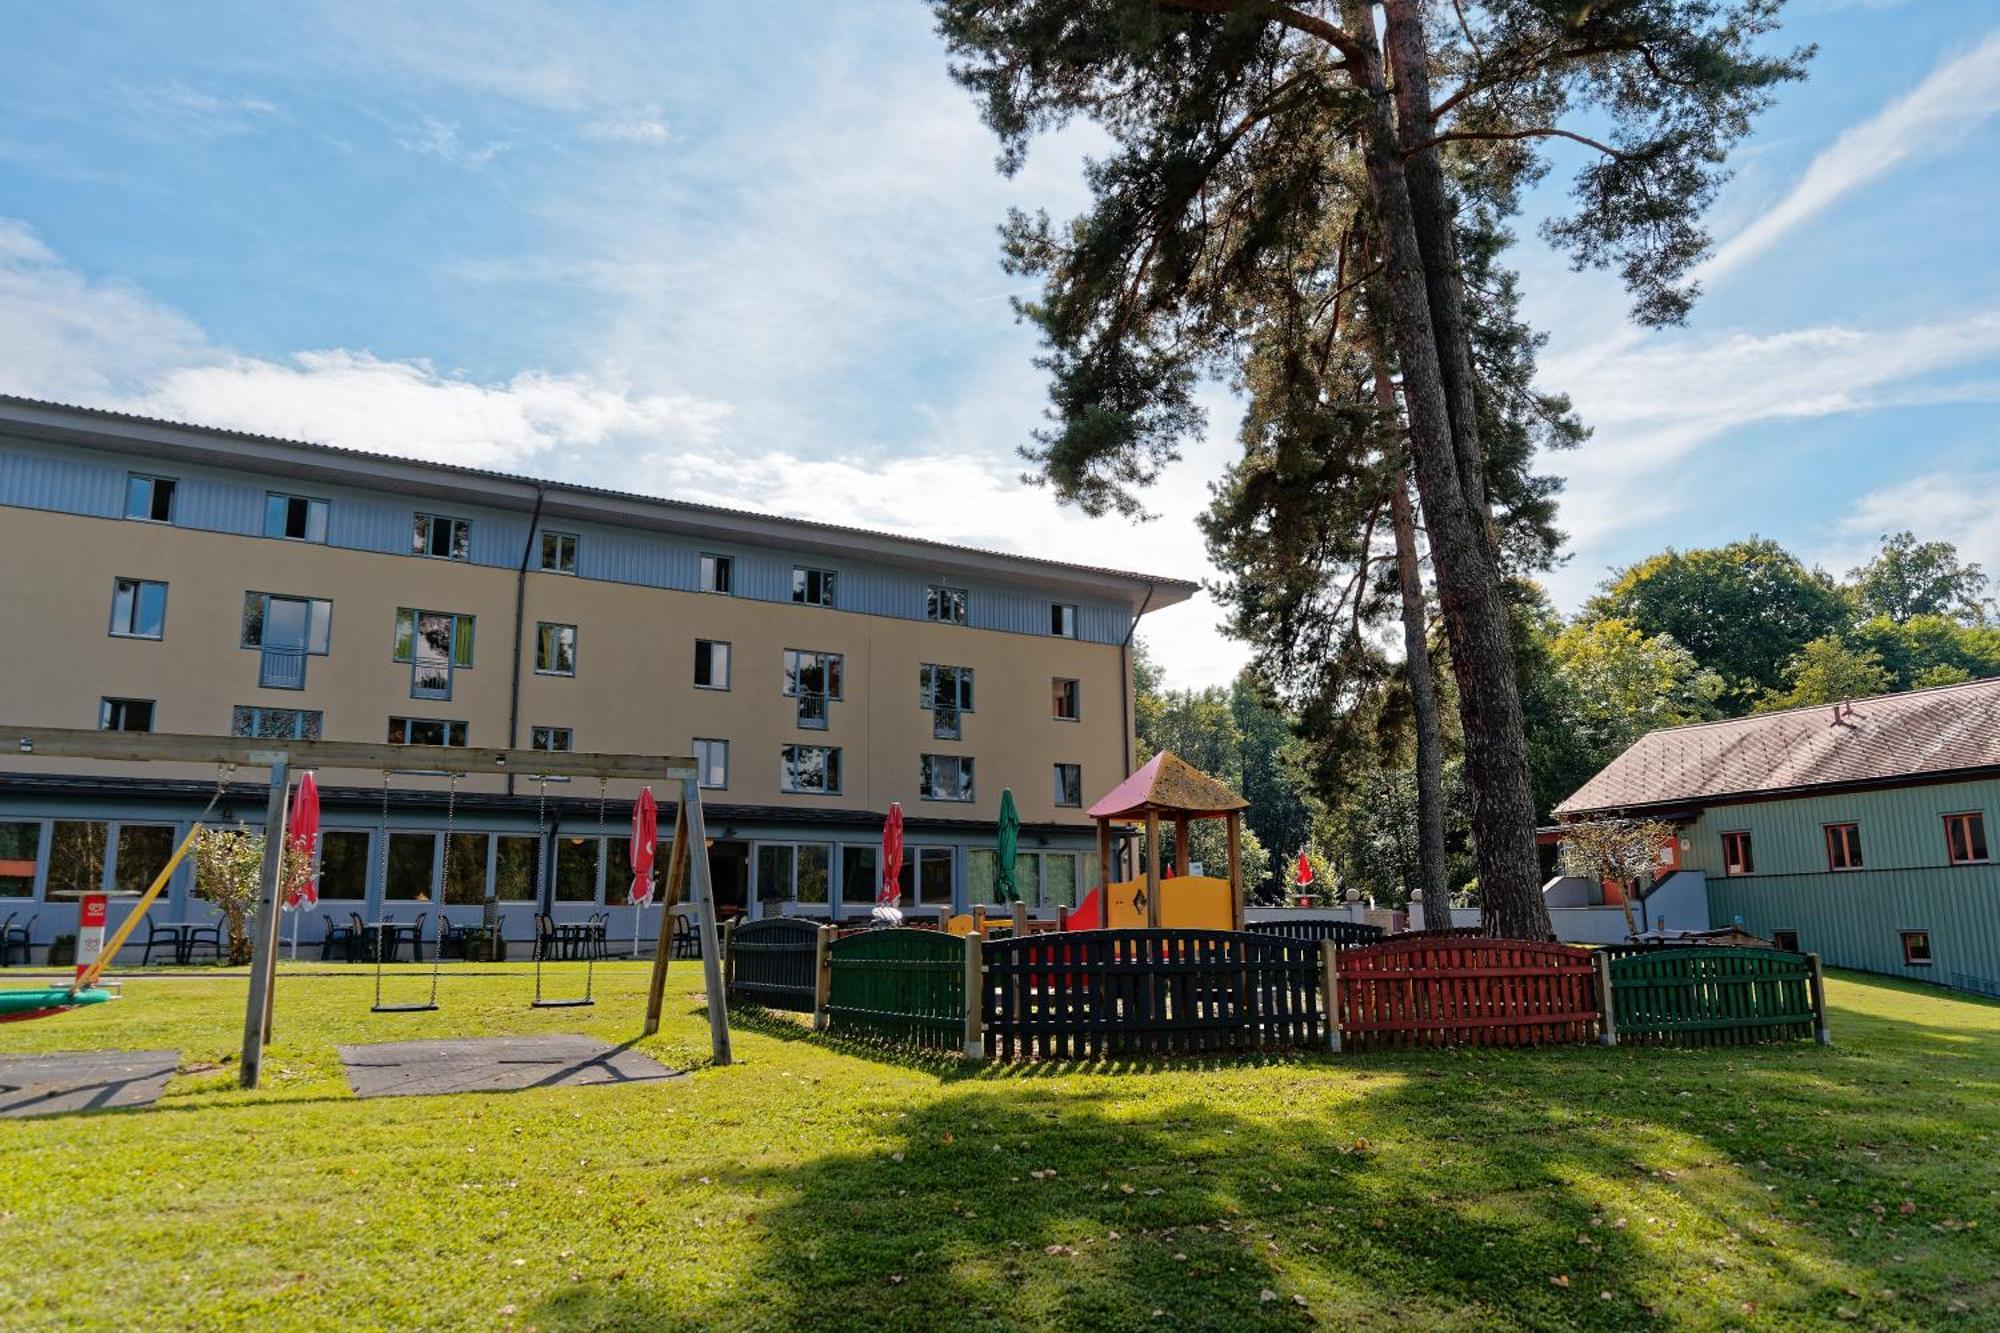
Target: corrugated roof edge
[1159,581]
[1985,682]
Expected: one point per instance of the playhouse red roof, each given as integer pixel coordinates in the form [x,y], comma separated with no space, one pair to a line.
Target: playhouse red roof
[1171,786]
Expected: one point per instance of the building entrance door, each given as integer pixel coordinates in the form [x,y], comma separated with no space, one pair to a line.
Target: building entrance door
[729,872]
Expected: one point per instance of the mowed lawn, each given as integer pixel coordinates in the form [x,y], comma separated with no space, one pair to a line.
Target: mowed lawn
[818,1184]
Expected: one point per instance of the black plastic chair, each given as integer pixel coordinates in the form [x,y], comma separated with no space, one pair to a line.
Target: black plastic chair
[361,946]
[14,937]
[337,941]
[415,934]
[161,937]
[200,937]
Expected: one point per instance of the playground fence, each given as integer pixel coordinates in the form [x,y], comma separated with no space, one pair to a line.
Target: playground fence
[773,962]
[903,984]
[1344,934]
[1423,990]
[1099,993]
[1714,996]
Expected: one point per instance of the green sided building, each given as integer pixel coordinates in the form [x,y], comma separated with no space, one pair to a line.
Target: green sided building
[1859,831]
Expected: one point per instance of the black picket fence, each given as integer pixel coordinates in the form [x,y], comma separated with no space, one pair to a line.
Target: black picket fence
[1344,934]
[1092,994]
[773,962]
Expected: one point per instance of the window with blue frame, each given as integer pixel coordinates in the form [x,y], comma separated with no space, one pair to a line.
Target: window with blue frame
[150,499]
[437,645]
[138,609]
[441,537]
[298,518]
[290,724]
[286,631]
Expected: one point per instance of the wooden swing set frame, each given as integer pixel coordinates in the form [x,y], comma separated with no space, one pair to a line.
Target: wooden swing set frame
[281,757]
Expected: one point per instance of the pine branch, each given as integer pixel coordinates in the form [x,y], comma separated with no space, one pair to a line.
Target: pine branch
[1491,136]
[1297,20]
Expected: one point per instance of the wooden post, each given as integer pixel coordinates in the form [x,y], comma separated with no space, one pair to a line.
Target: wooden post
[975,977]
[1020,918]
[1152,874]
[1233,822]
[1183,863]
[704,903]
[1062,916]
[656,985]
[1103,852]
[823,974]
[264,933]
[1329,967]
[1608,1031]
[979,918]
[1821,1033]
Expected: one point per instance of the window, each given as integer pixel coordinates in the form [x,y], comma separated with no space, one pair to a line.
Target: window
[292,724]
[715,573]
[441,537]
[813,587]
[412,868]
[514,868]
[947,692]
[425,731]
[1965,838]
[465,869]
[711,760]
[20,850]
[945,777]
[1788,940]
[711,665]
[559,552]
[343,865]
[76,856]
[1916,948]
[810,770]
[552,739]
[1062,621]
[814,680]
[576,870]
[294,517]
[555,649]
[945,605]
[286,631]
[788,873]
[1069,784]
[1068,704]
[1843,847]
[860,877]
[1736,858]
[125,715]
[143,852]
[925,876]
[138,609]
[150,498]
[436,644]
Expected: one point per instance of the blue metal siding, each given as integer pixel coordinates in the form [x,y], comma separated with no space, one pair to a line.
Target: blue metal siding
[70,480]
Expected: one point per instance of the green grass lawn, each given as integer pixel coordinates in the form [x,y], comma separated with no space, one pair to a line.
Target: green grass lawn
[821,1184]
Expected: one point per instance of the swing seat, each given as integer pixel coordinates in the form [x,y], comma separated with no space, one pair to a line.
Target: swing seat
[401,1008]
[562,1004]
[21,1005]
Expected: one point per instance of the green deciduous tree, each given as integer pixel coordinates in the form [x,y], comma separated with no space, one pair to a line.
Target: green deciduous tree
[1827,671]
[1911,578]
[1626,684]
[1744,610]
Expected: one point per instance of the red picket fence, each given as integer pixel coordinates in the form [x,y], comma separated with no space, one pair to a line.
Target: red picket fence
[1425,991]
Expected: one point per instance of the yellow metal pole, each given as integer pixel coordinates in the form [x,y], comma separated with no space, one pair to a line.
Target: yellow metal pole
[131,922]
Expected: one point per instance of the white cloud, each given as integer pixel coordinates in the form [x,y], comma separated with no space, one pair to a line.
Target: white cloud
[440,139]
[1930,119]
[647,126]
[1953,506]
[159,105]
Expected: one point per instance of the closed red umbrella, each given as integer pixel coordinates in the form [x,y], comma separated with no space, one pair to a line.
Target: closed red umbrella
[645,834]
[892,858]
[1305,870]
[301,828]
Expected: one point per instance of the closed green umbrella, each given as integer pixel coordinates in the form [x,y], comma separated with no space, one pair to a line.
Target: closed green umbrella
[1007,837]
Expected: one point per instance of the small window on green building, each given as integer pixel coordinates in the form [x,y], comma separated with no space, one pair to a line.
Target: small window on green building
[1916,948]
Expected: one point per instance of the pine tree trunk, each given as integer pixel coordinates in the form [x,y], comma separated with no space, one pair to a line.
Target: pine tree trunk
[1424,711]
[1468,578]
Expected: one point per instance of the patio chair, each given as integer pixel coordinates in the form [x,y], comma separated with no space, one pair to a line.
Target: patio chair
[338,941]
[159,936]
[200,937]
[363,942]
[415,934]
[545,937]
[14,937]
[687,941]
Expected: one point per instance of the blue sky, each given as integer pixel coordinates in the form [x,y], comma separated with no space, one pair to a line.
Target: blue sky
[746,254]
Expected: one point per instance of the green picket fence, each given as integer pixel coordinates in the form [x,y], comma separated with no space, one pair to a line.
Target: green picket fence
[902,984]
[1708,996]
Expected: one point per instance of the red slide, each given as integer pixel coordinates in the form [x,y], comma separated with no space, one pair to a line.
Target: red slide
[1088,914]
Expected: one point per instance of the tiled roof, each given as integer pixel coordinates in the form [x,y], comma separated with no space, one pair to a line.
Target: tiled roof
[1922,732]
[1170,785]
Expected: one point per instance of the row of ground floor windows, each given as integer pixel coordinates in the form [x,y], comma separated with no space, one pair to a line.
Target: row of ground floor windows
[73,856]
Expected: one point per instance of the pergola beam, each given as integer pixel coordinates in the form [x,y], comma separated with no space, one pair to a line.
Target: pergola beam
[245,751]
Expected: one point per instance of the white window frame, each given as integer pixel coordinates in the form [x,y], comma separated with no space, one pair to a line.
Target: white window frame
[706,749]
[542,556]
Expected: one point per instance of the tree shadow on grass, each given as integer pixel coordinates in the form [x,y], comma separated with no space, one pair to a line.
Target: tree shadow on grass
[1574,1187]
